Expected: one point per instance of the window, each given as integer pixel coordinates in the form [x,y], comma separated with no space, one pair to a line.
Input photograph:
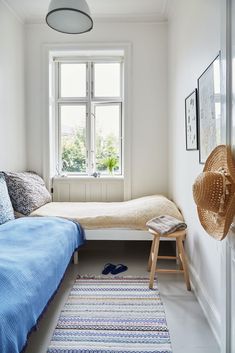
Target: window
[88,109]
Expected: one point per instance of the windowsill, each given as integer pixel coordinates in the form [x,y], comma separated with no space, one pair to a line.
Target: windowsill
[88,178]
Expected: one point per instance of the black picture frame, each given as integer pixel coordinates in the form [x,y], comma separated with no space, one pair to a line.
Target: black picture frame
[209,109]
[191,121]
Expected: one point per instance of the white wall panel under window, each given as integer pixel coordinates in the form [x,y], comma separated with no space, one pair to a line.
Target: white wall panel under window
[77,189]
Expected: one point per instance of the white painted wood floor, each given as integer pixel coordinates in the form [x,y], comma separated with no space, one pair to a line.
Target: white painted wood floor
[189,330]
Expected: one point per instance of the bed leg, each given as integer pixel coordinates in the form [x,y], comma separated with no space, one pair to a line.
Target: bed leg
[75,257]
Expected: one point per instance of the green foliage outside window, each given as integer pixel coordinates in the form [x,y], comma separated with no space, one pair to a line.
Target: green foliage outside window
[74,153]
[107,149]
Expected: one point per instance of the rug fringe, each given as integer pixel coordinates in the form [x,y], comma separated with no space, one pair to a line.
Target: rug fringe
[91,276]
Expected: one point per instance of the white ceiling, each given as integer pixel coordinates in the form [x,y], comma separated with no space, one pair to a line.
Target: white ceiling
[34,11]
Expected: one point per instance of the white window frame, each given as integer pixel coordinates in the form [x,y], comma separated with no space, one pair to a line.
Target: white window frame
[101,103]
[90,101]
[48,52]
[58,139]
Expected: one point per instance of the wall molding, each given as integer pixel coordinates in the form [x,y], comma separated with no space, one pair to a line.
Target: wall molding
[154,18]
[135,18]
[12,11]
[211,313]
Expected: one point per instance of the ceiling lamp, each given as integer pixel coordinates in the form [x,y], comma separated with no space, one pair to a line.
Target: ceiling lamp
[69,16]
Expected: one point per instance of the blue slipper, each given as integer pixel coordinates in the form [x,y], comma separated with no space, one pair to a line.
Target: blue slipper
[108,268]
[118,269]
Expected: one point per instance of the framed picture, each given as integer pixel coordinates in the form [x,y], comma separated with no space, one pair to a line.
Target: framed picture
[209,102]
[191,121]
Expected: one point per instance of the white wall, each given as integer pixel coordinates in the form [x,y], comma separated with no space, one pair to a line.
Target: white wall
[194,41]
[12,115]
[149,64]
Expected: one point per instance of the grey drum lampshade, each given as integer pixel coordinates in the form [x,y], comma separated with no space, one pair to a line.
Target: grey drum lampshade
[69,16]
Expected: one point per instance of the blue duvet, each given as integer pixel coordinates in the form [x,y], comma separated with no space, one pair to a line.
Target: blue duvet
[34,254]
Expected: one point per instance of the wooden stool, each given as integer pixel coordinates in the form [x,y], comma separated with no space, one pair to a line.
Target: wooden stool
[180,255]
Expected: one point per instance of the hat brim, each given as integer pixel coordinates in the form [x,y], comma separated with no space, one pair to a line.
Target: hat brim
[215,225]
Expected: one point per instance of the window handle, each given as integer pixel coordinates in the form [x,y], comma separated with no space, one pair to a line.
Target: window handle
[92,159]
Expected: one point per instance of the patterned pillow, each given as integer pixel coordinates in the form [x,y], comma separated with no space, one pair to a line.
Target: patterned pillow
[6,209]
[27,191]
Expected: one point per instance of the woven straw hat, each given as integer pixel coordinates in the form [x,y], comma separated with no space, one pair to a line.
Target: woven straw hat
[214,192]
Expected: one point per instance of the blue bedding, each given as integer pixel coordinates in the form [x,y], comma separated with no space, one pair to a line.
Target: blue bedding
[34,254]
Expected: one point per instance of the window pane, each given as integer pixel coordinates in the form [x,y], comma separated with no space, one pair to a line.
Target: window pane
[107,80]
[73,138]
[73,80]
[107,138]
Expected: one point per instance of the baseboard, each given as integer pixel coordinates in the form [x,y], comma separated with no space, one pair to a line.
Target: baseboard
[209,309]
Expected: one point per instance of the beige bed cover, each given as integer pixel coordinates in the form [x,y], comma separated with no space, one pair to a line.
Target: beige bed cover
[131,214]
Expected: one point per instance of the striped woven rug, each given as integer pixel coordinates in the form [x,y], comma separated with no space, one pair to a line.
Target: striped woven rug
[112,315]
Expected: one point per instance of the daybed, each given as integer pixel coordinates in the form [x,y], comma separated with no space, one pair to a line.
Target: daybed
[113,220]
[101,220]
[35,253]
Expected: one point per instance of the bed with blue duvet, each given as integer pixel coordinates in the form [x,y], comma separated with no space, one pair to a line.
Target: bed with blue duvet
[34,254]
